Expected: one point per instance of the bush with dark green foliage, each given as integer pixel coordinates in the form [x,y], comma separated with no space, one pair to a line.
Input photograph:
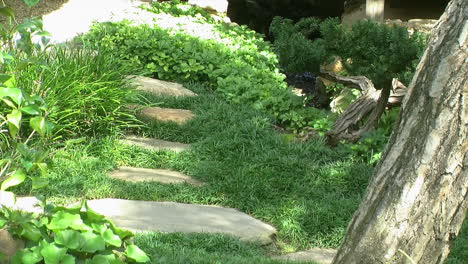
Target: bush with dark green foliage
[377,51]
[296,52]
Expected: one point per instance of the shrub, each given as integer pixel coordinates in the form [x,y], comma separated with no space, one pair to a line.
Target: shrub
[236,63]
[377,51]
[296,52]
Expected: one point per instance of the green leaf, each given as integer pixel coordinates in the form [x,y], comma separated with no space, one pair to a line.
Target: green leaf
[7,11]
[52,253]
[104,259]
[39,183]
[16,178]
[31,232]
[68,259]
[99,227]
[31,3]
[38,124]
[14,93]
[14,121]
[111,238]
[92,243]
[135,253]
[69,238]
[62,220]
[31,256]
[31,110]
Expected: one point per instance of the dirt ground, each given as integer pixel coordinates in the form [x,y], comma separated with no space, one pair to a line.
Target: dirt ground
[23,11]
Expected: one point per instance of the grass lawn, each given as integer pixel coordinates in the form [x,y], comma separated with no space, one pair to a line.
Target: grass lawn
[306,190]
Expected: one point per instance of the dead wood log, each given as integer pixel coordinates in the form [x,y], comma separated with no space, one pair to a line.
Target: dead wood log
[371,103]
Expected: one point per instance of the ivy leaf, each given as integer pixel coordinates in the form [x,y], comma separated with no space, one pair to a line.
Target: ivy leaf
[135,253]
[104,259]
[31,232]
[16,178]
[69,238]
[52,253]
[68,259]
[31,110]
[14,121]
[92,243]
[14,93]
[111,238]
[38,123]
[27,256]
[62,220]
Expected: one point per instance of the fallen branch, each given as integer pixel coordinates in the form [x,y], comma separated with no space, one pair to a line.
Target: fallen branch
[371,103]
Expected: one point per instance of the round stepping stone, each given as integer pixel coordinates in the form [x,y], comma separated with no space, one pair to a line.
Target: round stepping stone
[144,216]
[154,144]
[152,175]
[315,255]
[158,87]
[179,116]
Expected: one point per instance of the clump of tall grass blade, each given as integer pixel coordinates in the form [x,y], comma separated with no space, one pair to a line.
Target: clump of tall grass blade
[85,90]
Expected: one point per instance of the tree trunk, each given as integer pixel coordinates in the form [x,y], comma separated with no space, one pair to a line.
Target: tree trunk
[417,199]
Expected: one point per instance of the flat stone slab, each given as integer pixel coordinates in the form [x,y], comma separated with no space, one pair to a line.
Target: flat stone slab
[317,255]
[144,216]
[179,116]
[158,87]
[152,175]
[154,144]
[27,204]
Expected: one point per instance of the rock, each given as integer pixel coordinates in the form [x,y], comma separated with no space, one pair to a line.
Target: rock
[9,245]
[152,175]
[179,116]
[316,255]
[158,87]
[143,216]
[155,144]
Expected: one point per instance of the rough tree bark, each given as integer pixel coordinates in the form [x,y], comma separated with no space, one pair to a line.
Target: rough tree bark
[417,197]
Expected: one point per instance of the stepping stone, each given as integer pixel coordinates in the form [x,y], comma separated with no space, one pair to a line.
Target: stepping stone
[152,175]
[179,116]
[144,216]
[316,255]
[158,87]
[27,204]
[154,144]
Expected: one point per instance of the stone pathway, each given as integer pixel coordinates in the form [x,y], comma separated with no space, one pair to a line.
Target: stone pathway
[152,175]
[141,216]
[154,144]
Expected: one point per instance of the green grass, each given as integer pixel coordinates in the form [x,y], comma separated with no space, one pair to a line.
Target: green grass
[306,190]
[202,248]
